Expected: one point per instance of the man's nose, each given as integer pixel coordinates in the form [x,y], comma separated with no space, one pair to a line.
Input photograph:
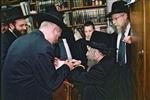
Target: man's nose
[25,27]
[114,22]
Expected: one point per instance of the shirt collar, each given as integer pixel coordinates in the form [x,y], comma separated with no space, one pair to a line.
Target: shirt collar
[12,32]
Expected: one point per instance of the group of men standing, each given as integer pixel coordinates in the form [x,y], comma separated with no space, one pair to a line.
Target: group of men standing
[31,70]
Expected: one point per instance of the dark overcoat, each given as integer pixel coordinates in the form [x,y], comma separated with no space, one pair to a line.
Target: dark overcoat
[97,82]
[124,77]
[29,72]
[7,39]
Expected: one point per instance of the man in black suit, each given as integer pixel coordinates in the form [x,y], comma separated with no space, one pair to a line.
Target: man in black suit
[122,42]
[67,34]
[97,82]
[17,26]
[30,71]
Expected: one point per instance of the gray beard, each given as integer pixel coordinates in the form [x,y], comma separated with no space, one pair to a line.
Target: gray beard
[91,63]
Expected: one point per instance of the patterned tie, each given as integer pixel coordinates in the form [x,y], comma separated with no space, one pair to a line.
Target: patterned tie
[121,53]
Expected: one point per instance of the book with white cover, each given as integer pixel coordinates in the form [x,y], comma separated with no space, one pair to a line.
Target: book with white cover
[65,52]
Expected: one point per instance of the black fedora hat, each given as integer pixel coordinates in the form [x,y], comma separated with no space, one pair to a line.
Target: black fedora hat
[102,47]
[118,7]
[15,13]
[52,8]
[52,16]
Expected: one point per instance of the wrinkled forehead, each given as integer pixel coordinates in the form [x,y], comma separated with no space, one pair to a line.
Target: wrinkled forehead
[117,14]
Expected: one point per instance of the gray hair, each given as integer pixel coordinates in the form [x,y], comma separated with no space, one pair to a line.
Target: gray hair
[46,24]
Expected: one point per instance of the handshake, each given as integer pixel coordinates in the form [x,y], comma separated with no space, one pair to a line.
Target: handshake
[73,63]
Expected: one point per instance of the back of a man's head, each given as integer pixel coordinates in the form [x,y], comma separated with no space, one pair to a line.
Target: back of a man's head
[51,31]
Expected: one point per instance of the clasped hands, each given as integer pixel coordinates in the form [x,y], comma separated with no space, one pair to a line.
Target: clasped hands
[71,63]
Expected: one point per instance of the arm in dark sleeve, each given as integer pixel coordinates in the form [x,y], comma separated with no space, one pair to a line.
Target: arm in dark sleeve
[95,76]
[46,74]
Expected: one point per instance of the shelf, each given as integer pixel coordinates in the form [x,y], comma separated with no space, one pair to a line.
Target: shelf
[83,7]
[76,12]
[32,3]
[88,7]
[66,10]
[79,25]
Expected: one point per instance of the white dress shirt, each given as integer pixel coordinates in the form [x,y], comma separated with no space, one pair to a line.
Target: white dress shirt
[118,40]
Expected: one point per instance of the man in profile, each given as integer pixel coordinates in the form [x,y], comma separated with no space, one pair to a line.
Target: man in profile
[98,81]
[30,71]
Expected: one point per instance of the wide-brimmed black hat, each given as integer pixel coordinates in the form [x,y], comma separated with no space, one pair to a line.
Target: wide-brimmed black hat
[51,15]
[118,7]
[100,46]
[15,13]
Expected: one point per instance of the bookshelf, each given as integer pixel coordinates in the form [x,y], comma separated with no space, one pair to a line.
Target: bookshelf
[75,12]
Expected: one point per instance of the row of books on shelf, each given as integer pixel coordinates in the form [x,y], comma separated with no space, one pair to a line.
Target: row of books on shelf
[69,4]
[81,3]
[81,16]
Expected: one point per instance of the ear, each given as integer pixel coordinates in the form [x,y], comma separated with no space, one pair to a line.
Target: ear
[126,15]
[11,25]
[97,52]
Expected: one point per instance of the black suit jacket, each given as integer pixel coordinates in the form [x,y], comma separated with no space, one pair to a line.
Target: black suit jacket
[113,45]
[124,74]
[29,72]
[7,39]
[97,82]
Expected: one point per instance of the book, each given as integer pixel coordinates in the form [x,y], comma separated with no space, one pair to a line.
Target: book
[65,52]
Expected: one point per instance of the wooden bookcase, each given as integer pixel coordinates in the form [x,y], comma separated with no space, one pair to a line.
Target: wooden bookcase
[77,12]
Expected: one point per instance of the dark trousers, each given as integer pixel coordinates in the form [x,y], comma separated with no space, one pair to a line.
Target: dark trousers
[124,82]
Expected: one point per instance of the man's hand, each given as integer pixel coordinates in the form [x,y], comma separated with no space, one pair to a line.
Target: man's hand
[127,39]
[70,64]
[58,63]
[130,39]
[75,62]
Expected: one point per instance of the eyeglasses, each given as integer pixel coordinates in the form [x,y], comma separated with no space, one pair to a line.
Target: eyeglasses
[116,18]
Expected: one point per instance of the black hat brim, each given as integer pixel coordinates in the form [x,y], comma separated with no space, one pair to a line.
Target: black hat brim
[115,12]
[100,46]
[118,7]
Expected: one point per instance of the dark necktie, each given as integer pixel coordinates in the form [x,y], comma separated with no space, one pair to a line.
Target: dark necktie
[121,53]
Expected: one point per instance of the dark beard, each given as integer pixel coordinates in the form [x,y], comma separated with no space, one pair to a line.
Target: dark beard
[18,33]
